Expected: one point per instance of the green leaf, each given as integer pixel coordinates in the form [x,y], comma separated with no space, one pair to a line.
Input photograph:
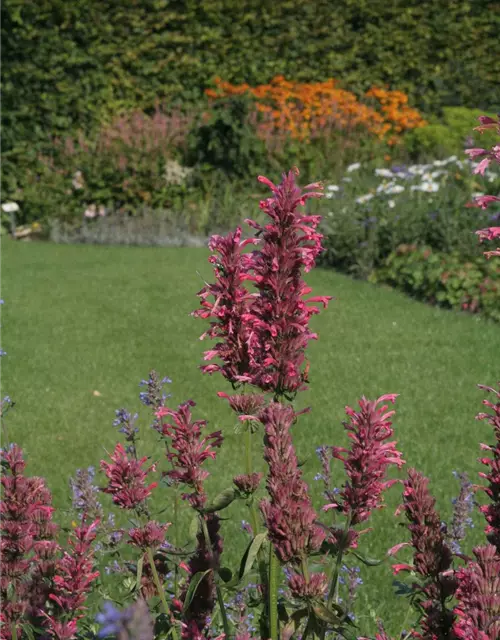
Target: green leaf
[222,501]
[250,554]
[370,562]
[226,574]
[291,627]
[139,571]
[323,613]
[193,586]
[194,527]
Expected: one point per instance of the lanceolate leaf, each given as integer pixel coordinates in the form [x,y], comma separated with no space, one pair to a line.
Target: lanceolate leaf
[370,562]
[193,586]
[222,501]
[250,554]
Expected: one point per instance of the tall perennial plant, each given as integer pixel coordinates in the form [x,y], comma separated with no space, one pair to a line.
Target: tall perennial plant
[258,309]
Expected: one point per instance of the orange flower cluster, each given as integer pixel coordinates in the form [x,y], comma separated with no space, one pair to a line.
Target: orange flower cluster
[305,110]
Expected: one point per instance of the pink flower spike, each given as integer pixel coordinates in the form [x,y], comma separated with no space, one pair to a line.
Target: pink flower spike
[368,458]
[127,479]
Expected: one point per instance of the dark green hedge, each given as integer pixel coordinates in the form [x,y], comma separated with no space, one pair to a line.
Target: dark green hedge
[69,64]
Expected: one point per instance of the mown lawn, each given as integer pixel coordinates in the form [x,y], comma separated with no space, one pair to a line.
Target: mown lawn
[79,319]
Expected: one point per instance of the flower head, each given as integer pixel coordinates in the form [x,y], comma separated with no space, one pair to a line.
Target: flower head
[189,449]
[478,597]
[491,511]
[289,515]
[127,479]
[367,460]
[278,318]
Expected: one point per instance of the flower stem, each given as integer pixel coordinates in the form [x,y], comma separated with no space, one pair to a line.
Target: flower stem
[160,589]
[273,593]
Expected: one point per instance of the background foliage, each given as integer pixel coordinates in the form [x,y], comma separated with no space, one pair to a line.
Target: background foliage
[73,65]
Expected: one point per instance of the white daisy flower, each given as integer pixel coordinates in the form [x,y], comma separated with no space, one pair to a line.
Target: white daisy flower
[10,207]
[391,204]
[384,173]
[353,167]
[396,188]
[365,198]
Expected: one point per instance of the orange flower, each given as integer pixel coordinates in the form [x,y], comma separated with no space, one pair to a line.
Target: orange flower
[304,110]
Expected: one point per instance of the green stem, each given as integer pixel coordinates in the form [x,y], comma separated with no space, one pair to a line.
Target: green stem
[335,575]
[248,447]
[225,621]
[220,599]
[273,593]
[176,540]
[160,589]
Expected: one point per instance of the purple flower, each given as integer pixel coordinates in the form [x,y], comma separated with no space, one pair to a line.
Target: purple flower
[154,396]
[126,422]
[133,623]
[463,506]
[85,493]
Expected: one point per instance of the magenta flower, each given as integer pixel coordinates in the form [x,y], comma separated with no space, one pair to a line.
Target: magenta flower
[248,483]
[246,405]
[206,557]
[28,542]
[72,583]
[152,535]
[127,479]
[489,156]
[278,318]
[432,557]
[478,595]
[314,589]
[289,515]
[230,301]
[190,449]
[492,510]
[367,460]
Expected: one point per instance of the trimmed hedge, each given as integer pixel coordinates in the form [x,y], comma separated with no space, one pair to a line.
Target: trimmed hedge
[69,65]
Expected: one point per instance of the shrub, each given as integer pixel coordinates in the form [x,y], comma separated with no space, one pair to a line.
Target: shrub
[448,136]
[444,279]
[305,111]
[370,211]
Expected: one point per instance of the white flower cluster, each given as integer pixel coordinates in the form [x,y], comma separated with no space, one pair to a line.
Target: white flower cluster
[429,175]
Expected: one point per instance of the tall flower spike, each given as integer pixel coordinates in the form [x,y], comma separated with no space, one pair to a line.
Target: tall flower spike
[492,510]
[29,546]
[432,558]
[478,595]
[230,301]
[279,316]
[189,449]
[367,460]
[493,155]
[289,515]
[127,479]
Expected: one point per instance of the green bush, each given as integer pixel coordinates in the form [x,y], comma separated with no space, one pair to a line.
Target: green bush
[227,143]
[367,218]
[444,279]
[75,65]
[449,136]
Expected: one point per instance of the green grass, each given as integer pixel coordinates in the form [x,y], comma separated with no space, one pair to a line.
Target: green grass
[79,319]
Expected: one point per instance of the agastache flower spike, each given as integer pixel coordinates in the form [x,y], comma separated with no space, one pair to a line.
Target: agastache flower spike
[189,449]
[492,511]
[279,316]
[289,515]
[478,595]
[432,558]
[367,460]
[230,301]
[489,156]
[127,479]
